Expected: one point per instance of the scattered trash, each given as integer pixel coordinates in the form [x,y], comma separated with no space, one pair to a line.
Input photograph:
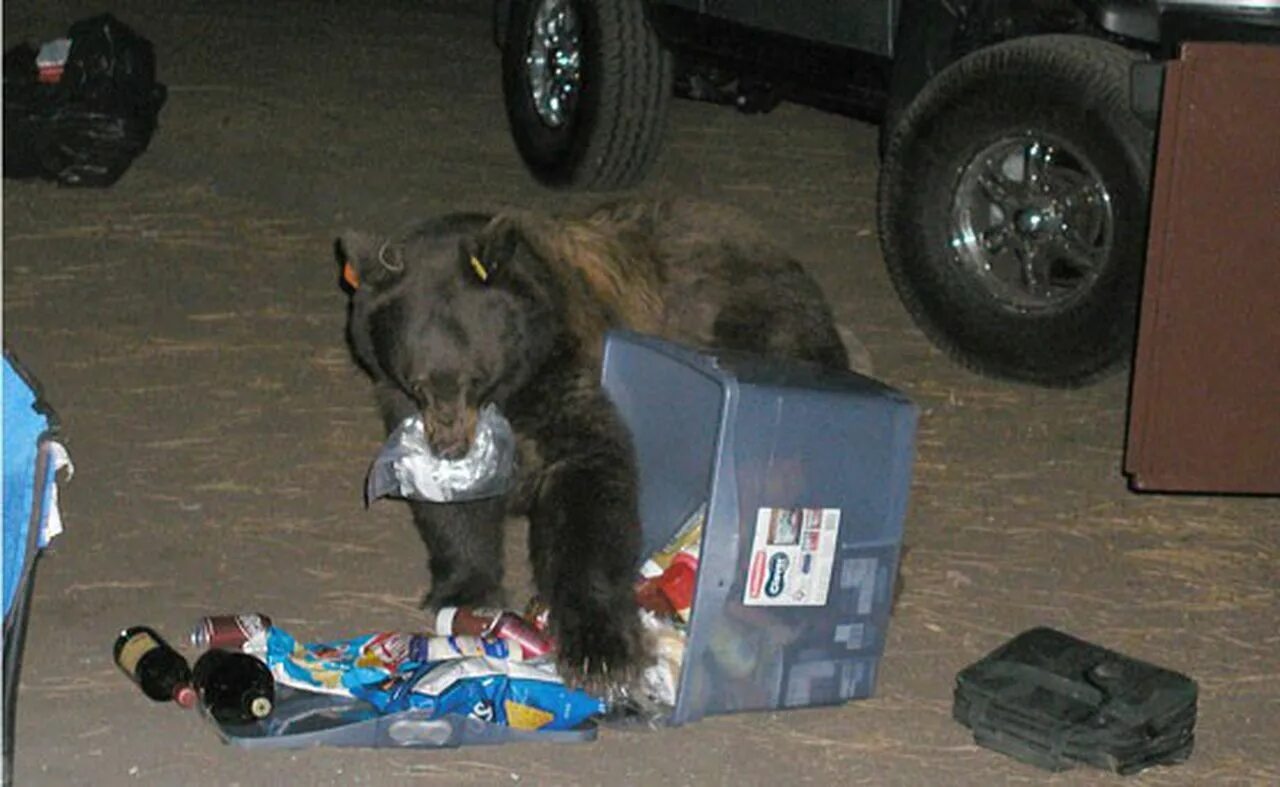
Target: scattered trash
[263,688]
[483,679]
[794,615]
[407,468]
[81,108]
[477,665]
[1053,701]
[347,666]
[159,670]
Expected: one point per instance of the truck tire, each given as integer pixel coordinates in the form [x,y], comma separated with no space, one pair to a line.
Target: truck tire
[1013,203]
[586,85]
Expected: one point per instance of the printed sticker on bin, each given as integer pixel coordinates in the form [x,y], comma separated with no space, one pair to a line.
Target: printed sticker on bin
[791,557]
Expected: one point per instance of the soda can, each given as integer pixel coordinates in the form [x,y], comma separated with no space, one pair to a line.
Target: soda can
[494,623]
[228,632]
[514,628]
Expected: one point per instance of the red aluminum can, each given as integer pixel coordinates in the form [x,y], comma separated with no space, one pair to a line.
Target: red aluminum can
[491,623]
[512,627]
[228,632]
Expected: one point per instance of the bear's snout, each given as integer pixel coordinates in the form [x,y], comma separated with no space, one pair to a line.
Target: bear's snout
[449,416]
[450,429]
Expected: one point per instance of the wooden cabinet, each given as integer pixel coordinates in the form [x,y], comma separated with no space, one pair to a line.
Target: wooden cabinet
[1205,407]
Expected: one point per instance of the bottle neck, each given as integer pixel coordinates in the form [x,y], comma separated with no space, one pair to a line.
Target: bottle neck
[260,707]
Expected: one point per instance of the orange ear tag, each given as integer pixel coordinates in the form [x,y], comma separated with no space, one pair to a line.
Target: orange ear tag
[349,276]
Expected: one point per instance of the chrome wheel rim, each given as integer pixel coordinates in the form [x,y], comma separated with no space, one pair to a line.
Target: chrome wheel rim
[553,62]
[1032,221]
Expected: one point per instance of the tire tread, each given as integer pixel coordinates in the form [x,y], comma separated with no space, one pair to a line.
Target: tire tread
[633,107]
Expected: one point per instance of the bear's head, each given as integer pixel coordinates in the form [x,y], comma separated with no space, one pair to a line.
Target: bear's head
[455,314]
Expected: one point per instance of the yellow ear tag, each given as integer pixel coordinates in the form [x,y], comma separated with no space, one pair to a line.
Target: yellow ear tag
[349,275]
[482,272]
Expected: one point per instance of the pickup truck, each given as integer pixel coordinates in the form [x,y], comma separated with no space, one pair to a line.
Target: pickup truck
[1016,137]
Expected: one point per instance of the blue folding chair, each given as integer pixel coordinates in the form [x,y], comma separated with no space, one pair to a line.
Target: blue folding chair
[32,458]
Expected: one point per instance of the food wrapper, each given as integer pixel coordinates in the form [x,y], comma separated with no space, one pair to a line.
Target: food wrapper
[524,696]
[687,539]
[339,666]
[407,468]
[668,577]
[470,676]
[661,679]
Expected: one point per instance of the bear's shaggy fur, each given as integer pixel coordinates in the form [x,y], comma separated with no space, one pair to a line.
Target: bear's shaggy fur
[524,330]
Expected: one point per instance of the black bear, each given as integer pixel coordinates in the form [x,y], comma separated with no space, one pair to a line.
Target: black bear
[511,309]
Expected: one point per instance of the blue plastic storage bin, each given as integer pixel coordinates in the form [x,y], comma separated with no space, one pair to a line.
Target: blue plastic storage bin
[805,473]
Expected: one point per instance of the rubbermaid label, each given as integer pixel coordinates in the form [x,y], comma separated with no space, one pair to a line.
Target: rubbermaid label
[791,557]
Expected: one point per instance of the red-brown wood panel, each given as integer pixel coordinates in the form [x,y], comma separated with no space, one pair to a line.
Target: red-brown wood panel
[1205,407]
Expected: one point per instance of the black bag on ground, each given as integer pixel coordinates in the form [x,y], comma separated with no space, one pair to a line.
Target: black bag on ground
[1053,701]
[89,126]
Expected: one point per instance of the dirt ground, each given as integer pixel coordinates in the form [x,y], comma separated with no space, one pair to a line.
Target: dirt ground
[187,325]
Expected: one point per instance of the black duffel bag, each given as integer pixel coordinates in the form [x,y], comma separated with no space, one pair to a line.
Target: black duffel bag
[1054,701]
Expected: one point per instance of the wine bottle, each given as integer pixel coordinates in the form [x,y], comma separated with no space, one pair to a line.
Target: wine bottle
[159,670]
[235,688]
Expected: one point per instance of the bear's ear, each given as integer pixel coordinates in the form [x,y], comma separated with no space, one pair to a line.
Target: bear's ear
[366,259]
[487,255]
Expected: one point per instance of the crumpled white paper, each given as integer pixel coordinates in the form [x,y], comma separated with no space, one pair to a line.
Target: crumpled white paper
[52,525]
[660,681]
[407,468]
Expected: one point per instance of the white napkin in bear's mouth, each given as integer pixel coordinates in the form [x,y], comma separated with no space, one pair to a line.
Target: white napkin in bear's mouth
[407,468]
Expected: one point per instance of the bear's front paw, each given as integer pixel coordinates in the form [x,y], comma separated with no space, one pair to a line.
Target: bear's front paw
[602,649]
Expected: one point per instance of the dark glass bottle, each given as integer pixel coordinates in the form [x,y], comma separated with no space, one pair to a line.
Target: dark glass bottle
[159,670]
[236,688]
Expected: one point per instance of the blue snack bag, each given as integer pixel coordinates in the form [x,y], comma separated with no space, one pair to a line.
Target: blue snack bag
[341,666]
[523,696]
[459,675]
